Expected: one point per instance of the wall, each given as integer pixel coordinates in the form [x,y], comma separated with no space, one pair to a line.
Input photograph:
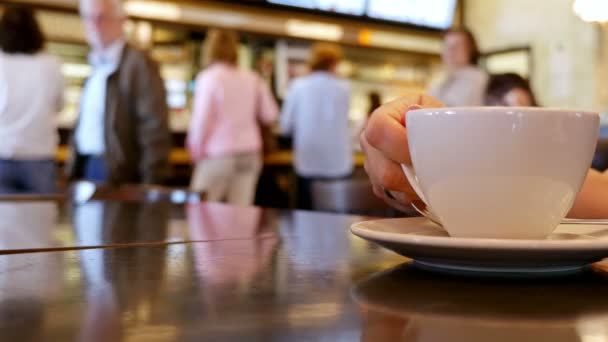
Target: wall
[566,51]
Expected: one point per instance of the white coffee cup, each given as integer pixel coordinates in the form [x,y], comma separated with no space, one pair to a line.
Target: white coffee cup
[500,172]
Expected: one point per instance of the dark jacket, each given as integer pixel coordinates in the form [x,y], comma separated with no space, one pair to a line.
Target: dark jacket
[137,136]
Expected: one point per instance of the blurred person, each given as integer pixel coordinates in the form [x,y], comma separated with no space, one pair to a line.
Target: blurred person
[122,134]
[315,112]
[375,101]
[385,143]
[509,89]
[224,137]
[31,94]
[463,83]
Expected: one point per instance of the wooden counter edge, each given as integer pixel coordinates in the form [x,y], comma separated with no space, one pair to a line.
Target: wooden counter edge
[179,156]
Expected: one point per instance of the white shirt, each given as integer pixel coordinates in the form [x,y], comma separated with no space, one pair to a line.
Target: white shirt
[31,94]
[316,112]
[90,131]
[463,87]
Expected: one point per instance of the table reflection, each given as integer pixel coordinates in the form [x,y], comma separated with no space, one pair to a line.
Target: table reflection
[317,240]
[217,221]
[111,223]
[26,225]
[115,290]
[48,225]
[220,263]
[409,305]
[22,299]
[253,279]
[234,264]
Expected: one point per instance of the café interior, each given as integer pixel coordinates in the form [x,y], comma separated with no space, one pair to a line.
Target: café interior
[311,256]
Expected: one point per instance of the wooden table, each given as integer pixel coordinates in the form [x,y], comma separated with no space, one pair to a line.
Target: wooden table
[267,275]
[179,156]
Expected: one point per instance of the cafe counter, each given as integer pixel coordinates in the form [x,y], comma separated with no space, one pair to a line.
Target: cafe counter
[180,157]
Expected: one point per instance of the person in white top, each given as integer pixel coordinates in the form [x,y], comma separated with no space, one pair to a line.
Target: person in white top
[462,82]
[31,94]
[315,113]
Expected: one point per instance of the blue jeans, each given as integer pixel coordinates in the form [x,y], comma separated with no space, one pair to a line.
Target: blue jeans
[94,169]
[27,177]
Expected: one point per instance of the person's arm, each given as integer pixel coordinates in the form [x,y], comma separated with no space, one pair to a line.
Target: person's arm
[268,109]
[288,111]
[153,131]
[592,200]
[202,116]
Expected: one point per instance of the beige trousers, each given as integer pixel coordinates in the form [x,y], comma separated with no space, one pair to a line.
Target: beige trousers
[232,178]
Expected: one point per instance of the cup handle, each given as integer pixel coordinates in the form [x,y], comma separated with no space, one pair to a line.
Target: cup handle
[410,174]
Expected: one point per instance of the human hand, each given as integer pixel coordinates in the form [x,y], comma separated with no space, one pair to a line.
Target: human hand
[384,142]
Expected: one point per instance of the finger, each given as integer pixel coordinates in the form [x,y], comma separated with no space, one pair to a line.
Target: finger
[384,172]
[397,107]
[388,175]
[385,130]
[402,205]
[386,133]
[390,180]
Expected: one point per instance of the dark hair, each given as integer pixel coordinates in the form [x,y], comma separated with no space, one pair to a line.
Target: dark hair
[374,101]
[19,31]
[500,84]
[474,53]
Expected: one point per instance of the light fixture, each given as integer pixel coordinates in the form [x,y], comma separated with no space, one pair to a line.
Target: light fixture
[314,30]
[153,10]
[591,10]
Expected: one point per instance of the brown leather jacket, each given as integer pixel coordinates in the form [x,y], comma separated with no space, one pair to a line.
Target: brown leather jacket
[137,136]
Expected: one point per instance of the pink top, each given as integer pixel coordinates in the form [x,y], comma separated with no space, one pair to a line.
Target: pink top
[228,102]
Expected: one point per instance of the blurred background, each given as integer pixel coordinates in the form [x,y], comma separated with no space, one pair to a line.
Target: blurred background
[389,46]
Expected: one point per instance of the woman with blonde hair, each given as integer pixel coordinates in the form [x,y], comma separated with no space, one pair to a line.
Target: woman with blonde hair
[224,138]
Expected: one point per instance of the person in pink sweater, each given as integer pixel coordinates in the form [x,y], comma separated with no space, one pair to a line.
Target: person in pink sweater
[224,138]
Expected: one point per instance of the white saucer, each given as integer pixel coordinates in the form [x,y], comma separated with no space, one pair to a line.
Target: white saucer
[570,248]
